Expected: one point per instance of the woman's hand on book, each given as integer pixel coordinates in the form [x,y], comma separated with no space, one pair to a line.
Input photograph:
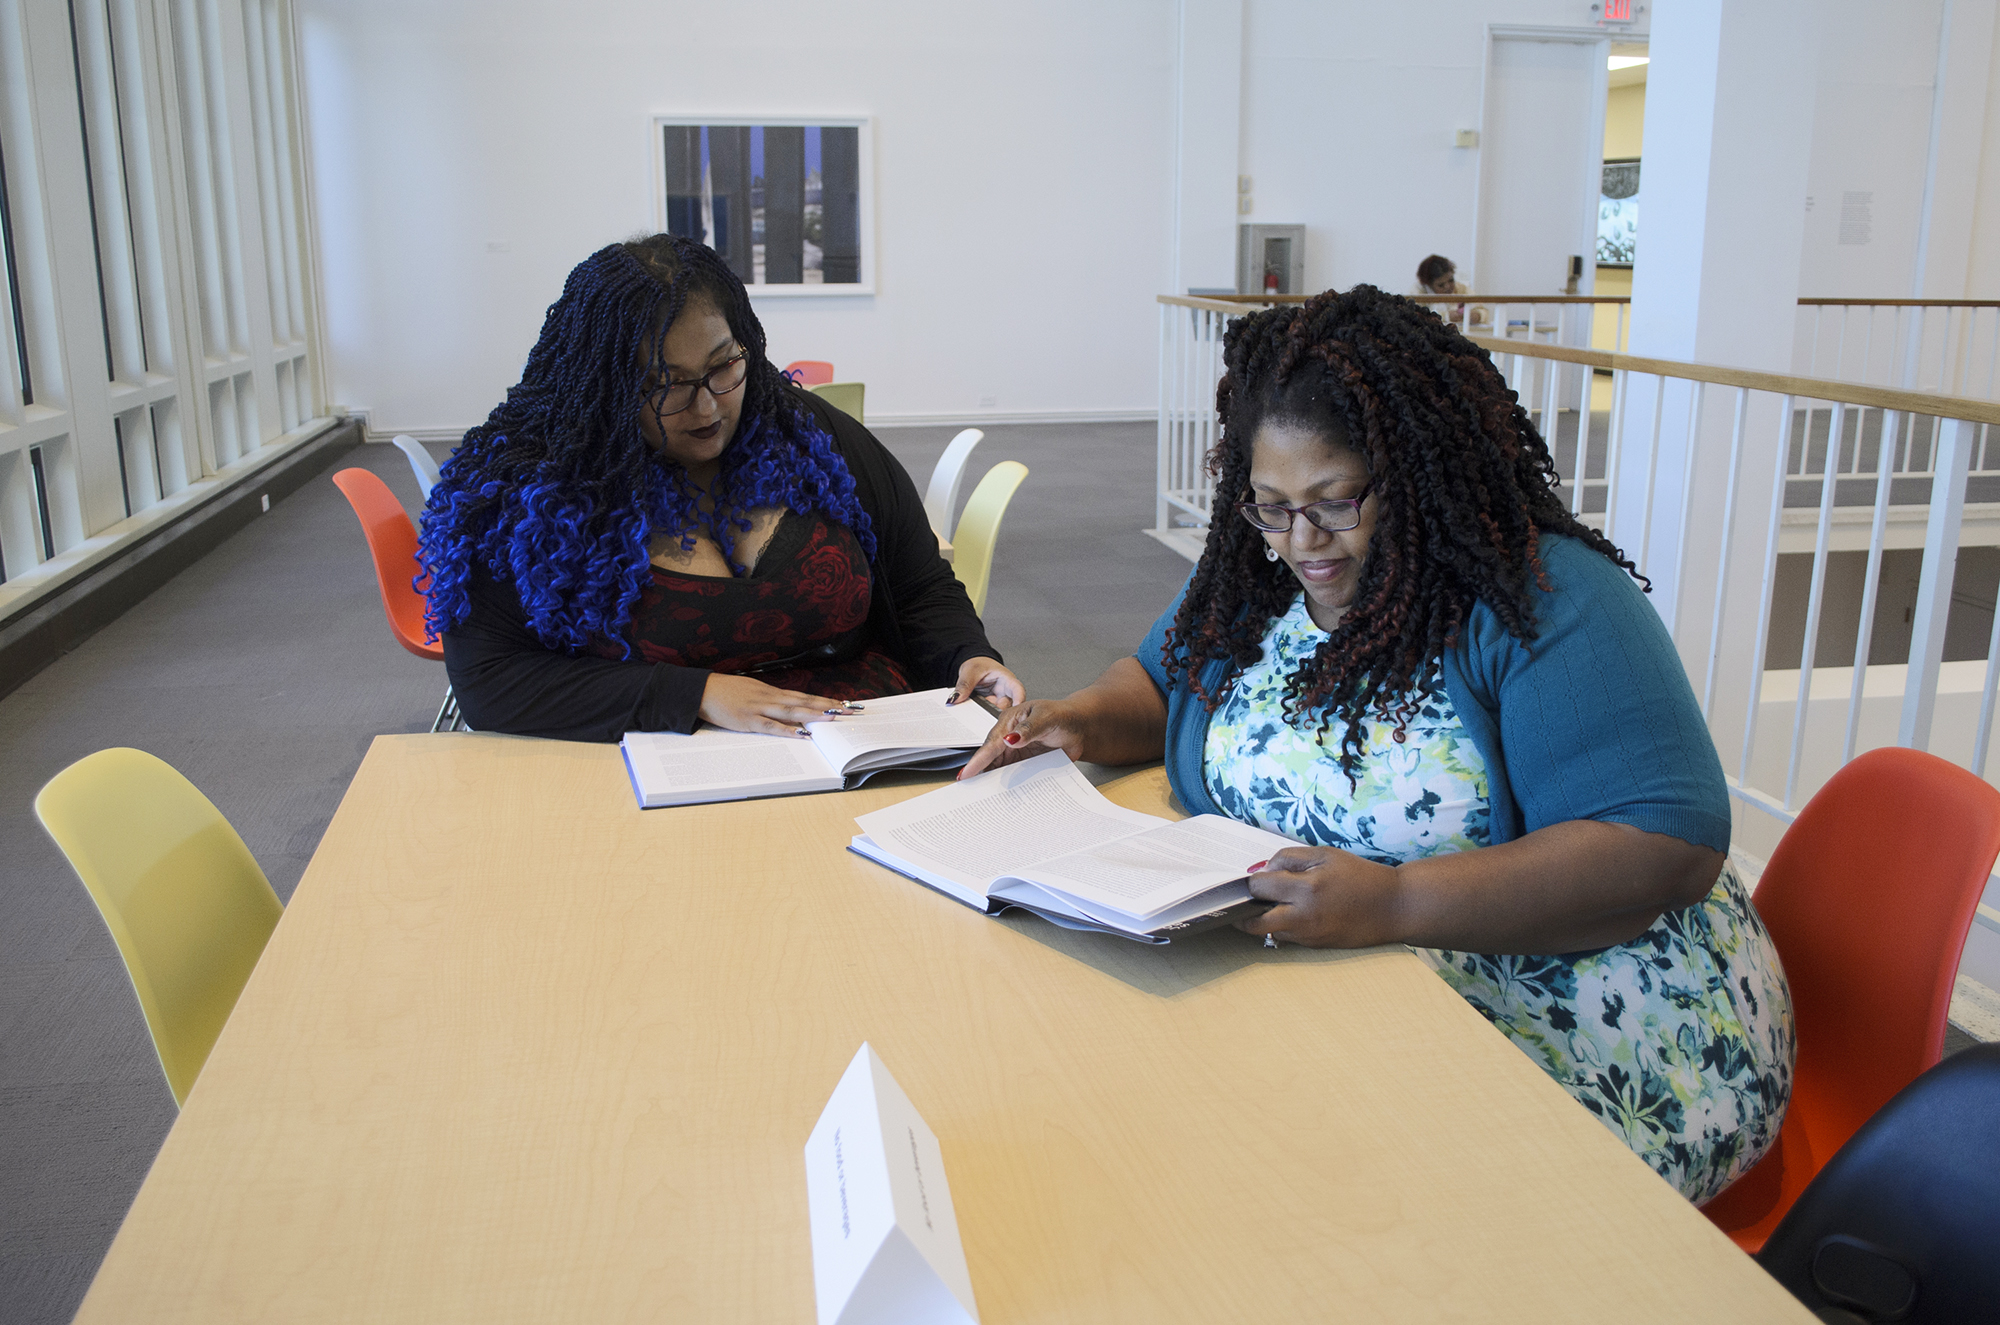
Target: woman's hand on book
[988,677]
[1033,727]
[745,705]
[1327,898]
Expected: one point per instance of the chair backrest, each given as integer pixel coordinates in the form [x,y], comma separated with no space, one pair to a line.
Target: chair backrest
[181,894]
[392,542]
[941,499]
[1900,1224]
[809,372]
[420,461]
[843,396]
[1868,899]
[979,528]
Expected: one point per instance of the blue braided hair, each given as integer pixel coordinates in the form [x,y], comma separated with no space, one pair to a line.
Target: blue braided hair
[558,492]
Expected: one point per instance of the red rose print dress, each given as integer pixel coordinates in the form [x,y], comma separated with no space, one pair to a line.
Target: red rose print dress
[797,621]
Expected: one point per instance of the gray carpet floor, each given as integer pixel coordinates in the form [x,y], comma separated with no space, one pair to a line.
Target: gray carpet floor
[263,672]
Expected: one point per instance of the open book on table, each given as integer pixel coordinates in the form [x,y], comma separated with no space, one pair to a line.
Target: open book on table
[710,764]
[1038,836]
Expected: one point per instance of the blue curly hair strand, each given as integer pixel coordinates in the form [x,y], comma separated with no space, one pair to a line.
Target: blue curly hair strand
[558,492]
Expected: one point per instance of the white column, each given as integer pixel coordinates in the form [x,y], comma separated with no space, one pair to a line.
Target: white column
[1208,112]
[1728,137]
[1958,132]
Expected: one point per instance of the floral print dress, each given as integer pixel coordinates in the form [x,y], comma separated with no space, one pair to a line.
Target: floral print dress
[1680,1041]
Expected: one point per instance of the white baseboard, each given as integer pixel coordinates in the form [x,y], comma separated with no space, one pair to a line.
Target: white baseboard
[987,419]
[1188,542]
[1975,1009]
[448,435]
[1000,419]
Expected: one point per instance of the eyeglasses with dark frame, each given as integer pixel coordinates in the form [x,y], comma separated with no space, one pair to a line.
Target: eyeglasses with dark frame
[1334,517]
[676,396]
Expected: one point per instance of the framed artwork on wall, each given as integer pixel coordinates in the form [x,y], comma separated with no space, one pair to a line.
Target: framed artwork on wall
[1618,213]
[787,202]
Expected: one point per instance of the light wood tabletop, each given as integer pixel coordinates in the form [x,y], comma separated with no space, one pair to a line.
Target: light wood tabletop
[519,1051]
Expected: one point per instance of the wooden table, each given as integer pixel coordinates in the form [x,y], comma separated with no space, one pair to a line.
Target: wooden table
[520,1052]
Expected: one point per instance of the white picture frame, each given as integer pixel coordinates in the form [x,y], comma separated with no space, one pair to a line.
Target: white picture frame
[706,167]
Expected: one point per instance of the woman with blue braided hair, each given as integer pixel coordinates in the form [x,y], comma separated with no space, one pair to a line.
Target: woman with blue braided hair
[655,528]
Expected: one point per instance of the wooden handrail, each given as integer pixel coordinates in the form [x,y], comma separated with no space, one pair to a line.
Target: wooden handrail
[1424,298]
[1905,303]
[1593,299]
[1810,388]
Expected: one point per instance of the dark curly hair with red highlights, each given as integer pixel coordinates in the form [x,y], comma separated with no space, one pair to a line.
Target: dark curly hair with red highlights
[1463,486]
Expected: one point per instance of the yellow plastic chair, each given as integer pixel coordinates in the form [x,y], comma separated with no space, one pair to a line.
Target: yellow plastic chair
[843,396]
[178,889]
[979,529]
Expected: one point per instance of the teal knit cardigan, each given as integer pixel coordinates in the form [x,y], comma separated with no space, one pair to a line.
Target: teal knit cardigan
[1592,719]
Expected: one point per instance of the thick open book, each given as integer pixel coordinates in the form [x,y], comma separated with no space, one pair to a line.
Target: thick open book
[710,764]
[1038,836]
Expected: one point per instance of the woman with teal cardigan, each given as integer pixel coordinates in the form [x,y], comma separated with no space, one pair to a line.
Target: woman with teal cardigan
[1400,650]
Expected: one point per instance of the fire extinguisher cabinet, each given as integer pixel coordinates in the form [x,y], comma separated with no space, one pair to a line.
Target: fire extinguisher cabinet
[1270,259]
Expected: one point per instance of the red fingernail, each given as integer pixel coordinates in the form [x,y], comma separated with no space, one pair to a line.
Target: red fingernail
[1012,738]
[1258,866]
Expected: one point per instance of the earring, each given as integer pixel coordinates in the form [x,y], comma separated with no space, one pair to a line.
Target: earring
[1270,553]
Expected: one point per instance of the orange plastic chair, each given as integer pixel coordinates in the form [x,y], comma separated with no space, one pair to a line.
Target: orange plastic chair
[392,542]
[1868,898]
[810,372]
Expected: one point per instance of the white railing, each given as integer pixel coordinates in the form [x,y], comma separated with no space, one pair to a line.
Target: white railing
[1790,478]
[1947,346]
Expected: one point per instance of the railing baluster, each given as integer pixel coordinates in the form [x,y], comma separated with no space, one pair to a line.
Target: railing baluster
[1864,635]
[1652,475]
[1983,734]
[1763,636]
[1614,440]
[1728,541]
[1695,401]
[1815,599]
[1947,509]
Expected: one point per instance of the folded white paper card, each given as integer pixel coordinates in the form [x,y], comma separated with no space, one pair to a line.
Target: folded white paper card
[885,1240]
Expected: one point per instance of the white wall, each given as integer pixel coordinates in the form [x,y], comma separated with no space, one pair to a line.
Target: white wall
[1871,127]
[1349,112]
[466,155]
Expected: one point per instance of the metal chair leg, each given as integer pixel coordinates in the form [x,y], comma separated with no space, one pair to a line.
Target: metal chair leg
[447,716]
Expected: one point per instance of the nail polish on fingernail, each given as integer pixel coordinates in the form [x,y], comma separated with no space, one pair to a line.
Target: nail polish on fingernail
[951,699]
[1012,738]
[1258,866]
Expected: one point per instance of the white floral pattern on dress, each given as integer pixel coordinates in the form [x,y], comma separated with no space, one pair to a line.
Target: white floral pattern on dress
[1680,1041]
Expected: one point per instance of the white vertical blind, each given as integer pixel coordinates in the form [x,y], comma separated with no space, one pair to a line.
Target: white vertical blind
[158,316]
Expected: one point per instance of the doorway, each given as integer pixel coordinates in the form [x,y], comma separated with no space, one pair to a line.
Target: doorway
[1541,159]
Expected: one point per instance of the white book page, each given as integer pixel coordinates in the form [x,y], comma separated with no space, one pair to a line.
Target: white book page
[670,765]
[1002,822]
[1149,873]
[901,723]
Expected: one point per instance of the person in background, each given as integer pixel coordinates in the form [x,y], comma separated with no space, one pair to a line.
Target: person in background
[655,528]
[1400,649]
[1437,275]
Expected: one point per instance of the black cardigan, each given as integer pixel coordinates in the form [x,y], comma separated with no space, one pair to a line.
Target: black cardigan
[508,680]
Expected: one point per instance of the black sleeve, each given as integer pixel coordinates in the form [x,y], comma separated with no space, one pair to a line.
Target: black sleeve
[930,611]
[507,680]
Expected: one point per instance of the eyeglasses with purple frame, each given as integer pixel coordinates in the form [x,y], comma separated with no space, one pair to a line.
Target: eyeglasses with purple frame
[1272,517]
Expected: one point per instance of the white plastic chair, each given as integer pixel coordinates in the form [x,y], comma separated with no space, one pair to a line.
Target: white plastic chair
[420,460]
[941,500]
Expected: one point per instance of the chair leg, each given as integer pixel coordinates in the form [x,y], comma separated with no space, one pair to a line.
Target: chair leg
[447,718]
